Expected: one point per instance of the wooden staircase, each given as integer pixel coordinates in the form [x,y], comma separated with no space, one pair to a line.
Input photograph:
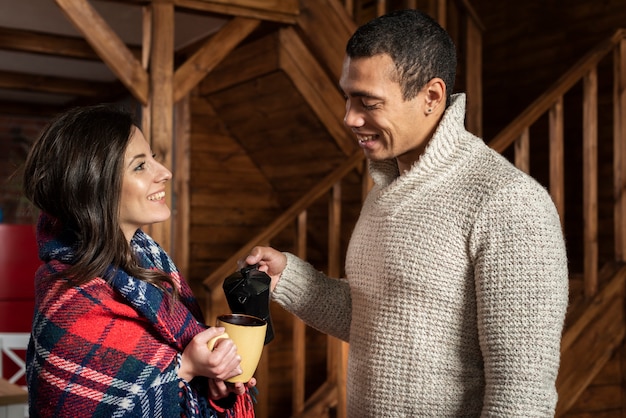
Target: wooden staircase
[595,323]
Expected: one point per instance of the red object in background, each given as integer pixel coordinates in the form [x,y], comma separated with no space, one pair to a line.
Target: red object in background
[19,261]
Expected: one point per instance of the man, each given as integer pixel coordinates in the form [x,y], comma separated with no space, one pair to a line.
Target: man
[457,280]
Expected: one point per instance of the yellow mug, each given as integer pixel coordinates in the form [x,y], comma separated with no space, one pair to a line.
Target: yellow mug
[248,334]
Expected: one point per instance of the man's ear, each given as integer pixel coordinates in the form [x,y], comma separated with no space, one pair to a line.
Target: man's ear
[435,95]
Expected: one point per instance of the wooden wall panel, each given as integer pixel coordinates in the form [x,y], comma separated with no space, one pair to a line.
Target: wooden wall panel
[223,180]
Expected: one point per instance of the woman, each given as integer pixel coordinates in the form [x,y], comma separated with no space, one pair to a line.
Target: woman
[116,329]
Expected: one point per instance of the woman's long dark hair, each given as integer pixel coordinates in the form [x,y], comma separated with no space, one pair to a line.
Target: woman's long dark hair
[74,173]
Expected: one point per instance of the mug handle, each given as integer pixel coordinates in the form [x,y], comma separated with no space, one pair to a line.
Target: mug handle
[212,341]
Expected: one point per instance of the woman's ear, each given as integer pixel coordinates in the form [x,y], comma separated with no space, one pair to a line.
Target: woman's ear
[435,95]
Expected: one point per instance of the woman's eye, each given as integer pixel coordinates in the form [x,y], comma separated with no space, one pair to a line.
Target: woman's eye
[140,166]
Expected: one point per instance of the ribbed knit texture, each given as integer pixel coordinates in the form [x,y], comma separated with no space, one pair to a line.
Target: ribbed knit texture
[456,288]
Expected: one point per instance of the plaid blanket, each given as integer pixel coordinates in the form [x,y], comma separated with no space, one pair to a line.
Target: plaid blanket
[111,348]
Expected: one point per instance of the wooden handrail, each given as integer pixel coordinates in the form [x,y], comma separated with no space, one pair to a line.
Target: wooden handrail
[542,104]
[551,102]
[215,278]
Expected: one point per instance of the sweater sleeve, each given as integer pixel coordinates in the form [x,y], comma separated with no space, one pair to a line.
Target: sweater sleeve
[521,284]
[320,301]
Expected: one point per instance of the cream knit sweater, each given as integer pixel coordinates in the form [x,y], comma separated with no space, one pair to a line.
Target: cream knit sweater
[456,287]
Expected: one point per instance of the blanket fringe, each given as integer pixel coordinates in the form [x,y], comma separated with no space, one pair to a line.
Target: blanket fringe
[243,407]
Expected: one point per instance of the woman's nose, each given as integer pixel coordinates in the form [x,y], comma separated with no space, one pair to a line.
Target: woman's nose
[164,174]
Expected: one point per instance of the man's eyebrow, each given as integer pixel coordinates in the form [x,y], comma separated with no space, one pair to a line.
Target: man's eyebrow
[365,94]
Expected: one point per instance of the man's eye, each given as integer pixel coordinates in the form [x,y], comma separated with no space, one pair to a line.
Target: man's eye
[370,107]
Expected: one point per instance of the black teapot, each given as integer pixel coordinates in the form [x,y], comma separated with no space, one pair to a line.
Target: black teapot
[248,292]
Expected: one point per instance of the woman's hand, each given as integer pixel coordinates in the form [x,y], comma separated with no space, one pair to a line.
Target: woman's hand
[219,389]
[221,363]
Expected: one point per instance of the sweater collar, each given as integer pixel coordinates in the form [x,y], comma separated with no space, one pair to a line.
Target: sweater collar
[436,156]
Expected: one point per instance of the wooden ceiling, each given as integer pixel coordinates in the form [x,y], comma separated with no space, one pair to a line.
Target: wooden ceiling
[55,54]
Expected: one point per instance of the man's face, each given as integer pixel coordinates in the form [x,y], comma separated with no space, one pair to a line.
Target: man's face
[385,125]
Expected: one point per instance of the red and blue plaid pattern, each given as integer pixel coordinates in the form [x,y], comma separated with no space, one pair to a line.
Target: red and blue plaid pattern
[110,348]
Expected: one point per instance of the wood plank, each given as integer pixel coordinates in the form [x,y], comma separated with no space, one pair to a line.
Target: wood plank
[162,104]
[181,212]
[47,44]
[247,62]
[592,309]
[200,199]
[318,404]
[11,394]
[316,88]
[597,399]
[586,357]
[211,54]
[299,329]
[473,78]
[284,12]
[619,149]
[590,181]
[108,45]
[238,216]
[282,6]
[328,45]
[287,217]
[557,162]
[57,85]
[522,151]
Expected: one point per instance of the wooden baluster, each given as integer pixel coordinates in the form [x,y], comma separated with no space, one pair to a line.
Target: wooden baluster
[557,164]
[619,145]
[337,350]
[590,181]
[522,151]
[349,6]
[381,7]
[299,329]
[442,13]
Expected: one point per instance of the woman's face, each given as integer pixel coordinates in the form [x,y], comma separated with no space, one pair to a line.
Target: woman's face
[142,200]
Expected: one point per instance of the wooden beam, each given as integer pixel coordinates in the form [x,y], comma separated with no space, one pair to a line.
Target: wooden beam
[162,104]
[281,11]
[327,45]
[181,212]
[39,43]
[210,54]
[34,109]
[108,46]
[315,87]
[54,85]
